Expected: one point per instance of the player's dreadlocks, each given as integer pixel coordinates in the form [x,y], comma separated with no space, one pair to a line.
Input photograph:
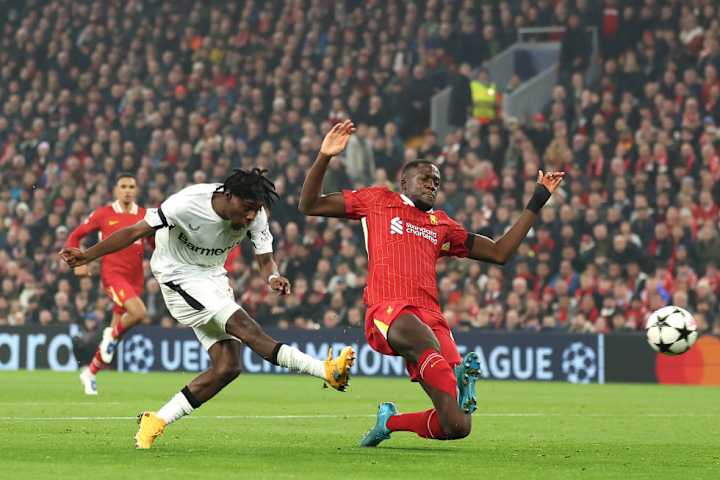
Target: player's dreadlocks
[250,185]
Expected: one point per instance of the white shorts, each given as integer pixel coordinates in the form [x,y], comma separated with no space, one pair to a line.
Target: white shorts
[203,303]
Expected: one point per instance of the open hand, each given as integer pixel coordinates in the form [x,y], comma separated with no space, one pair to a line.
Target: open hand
[337,138]
[280,285]
[550,180]
[74,257]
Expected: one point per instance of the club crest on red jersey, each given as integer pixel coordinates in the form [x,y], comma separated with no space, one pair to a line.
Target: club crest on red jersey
[396,226]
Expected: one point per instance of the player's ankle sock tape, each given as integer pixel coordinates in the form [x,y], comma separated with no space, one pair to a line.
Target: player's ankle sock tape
[194,402]
[274,355]
[436,372]
[539,198]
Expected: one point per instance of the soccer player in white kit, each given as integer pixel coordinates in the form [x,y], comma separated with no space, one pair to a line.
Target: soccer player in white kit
[194,230]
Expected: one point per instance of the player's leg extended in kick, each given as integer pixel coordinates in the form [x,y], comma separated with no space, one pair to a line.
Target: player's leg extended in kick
[225,357]
[134,313]
[410,338]
[334,371]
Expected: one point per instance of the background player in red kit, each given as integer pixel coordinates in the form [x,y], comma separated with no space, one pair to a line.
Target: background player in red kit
[404,236]
[121,272]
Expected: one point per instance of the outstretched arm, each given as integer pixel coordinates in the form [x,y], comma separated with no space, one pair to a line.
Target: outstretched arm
[76,257]
[312,201]
[485,249]
[92,224]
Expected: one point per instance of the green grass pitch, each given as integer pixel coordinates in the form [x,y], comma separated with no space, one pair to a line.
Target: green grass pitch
[289,427]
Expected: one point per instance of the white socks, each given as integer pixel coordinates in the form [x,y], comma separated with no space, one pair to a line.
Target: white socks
[176,408]
[290,357]
[298,361]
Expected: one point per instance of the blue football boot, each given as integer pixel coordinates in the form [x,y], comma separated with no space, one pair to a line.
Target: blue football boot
[380,431]
[468,373]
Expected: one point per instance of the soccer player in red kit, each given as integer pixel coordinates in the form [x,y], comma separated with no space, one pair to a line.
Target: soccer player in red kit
[404,237]
[121,272]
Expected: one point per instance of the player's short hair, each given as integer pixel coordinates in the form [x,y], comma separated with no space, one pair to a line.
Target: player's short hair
[250,185]
[410,166]
[122,175]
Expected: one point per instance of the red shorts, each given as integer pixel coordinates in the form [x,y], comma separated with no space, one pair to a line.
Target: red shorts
[120,290]
[380,316]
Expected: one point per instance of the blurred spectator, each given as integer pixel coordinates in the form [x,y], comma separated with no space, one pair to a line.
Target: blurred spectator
[182,92]
[575,47]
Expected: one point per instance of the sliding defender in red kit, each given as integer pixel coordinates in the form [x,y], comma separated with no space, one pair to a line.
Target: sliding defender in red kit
[404,237]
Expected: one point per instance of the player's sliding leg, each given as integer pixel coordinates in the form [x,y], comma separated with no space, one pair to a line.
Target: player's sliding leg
[416,342]
[335,371]
[225,359]
[412,339]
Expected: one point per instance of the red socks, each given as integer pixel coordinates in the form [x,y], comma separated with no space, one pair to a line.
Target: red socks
[118,330]
[437,372]
[97,364]
[426,424]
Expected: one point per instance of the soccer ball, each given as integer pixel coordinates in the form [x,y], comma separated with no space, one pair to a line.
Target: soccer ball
[671,330]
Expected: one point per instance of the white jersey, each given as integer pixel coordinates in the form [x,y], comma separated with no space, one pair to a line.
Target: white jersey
[192,239]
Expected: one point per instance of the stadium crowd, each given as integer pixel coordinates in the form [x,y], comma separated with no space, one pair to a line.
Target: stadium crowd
[182,92]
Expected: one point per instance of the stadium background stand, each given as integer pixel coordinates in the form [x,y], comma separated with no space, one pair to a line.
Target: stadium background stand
[182,92]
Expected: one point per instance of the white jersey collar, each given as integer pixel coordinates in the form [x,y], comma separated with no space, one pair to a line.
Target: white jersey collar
[117,208]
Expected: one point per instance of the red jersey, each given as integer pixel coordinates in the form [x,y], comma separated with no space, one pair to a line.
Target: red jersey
[126,263]
[403,245]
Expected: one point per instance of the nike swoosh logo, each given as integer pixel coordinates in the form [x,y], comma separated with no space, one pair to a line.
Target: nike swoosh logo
[194,229]
[113,222]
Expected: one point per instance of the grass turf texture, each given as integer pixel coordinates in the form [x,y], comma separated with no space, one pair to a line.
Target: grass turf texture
[521,430]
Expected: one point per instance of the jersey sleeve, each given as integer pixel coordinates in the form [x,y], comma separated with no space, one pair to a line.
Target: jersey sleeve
[165,215]
[454,243]
[91,224]
[259,233]
[359,202]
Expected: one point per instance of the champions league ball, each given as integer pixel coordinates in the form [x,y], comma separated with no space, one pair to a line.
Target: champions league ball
[579,363]
[138,353]
[671,330]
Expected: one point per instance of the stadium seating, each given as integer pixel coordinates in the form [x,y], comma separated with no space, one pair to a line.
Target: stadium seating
[182,92]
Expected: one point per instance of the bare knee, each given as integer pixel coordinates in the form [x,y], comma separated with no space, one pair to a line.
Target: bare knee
[136,312]
[139,314]
[243,326]
[457,429]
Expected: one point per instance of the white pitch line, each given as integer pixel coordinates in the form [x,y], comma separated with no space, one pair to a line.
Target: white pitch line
[218,417]
[41,404]
[318,417]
